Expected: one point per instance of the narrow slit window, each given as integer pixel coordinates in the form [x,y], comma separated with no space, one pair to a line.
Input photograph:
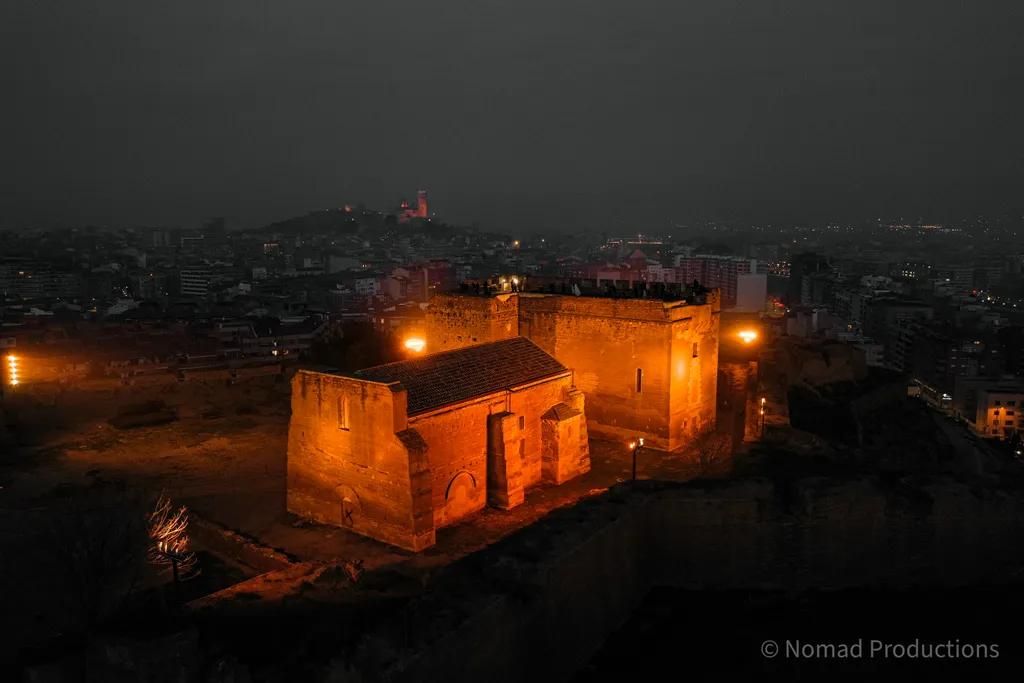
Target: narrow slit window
[639,380]
[696,349]
[343,412]
[522,423]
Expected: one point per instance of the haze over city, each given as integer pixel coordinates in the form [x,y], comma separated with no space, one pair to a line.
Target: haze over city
[568,115]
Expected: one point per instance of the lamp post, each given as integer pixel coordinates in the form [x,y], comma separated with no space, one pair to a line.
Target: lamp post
[174,557]
[636,446]
[414,345]
[763,401]
[13,370]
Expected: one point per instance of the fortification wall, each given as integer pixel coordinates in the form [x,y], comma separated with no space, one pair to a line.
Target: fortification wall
[352,462]
[538,604]
[569,581]
[648,367]
[454,321]
[457,444]
[694,371]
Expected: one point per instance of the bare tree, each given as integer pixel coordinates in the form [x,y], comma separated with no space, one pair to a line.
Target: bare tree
[169,544]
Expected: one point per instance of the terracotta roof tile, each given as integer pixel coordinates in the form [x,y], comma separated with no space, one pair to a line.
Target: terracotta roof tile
[448,377]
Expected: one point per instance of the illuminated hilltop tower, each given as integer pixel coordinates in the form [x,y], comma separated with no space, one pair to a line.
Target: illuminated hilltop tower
[406,212]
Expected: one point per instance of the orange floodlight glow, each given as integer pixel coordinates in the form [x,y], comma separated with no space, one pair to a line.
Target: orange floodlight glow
[747,336]
[12,371]
[415,344]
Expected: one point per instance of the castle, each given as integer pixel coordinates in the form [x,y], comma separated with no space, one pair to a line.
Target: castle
[647,366]
[407,213]
[398,451]
[506,398]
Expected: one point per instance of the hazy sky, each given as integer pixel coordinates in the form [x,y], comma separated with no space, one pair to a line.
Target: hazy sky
[534,113]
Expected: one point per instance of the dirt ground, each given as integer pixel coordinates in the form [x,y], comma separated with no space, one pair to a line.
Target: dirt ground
[225,459]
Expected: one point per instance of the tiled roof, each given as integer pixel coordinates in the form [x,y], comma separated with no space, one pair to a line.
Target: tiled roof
[448,377]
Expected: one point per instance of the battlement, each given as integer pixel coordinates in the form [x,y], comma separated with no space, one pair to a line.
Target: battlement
[648,309]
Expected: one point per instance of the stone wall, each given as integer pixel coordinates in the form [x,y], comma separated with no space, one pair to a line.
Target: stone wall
[607,342]
[738,402]
[550,595]
[366,471]
[693,399]
[457,440]
[538,604]
[647,367]
[355,459]
[565,442]
[455,321]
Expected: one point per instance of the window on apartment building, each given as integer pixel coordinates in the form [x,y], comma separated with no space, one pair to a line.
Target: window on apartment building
[343,412]
[1009,412]
[696,349]
[999,403]
[639,380]
[522,448]
[522,423]
[1011,403]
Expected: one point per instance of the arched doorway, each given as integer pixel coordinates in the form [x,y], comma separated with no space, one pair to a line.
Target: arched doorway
[462,497]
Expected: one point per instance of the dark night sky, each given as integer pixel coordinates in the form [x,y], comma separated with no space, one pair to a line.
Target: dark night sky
[535,113]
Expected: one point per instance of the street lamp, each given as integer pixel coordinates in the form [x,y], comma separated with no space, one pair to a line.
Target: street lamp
[636,446]
[13,370]
[763,401]
[415,344]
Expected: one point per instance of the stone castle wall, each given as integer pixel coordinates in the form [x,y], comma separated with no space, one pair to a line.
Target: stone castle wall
[457,321]
[564,586]
[607,342]
[357,460]
[370,474]
[693,371]
[457,441]
[538,604]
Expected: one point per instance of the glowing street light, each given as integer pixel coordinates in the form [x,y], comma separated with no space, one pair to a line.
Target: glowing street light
[415,344]
[13,367]
[635,446]
[747,336]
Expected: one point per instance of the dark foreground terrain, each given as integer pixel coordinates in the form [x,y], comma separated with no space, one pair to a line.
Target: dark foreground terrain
[940,635]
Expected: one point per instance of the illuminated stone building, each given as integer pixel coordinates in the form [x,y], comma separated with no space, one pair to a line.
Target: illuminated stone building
[407,213]
[647,366]
[397,451]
